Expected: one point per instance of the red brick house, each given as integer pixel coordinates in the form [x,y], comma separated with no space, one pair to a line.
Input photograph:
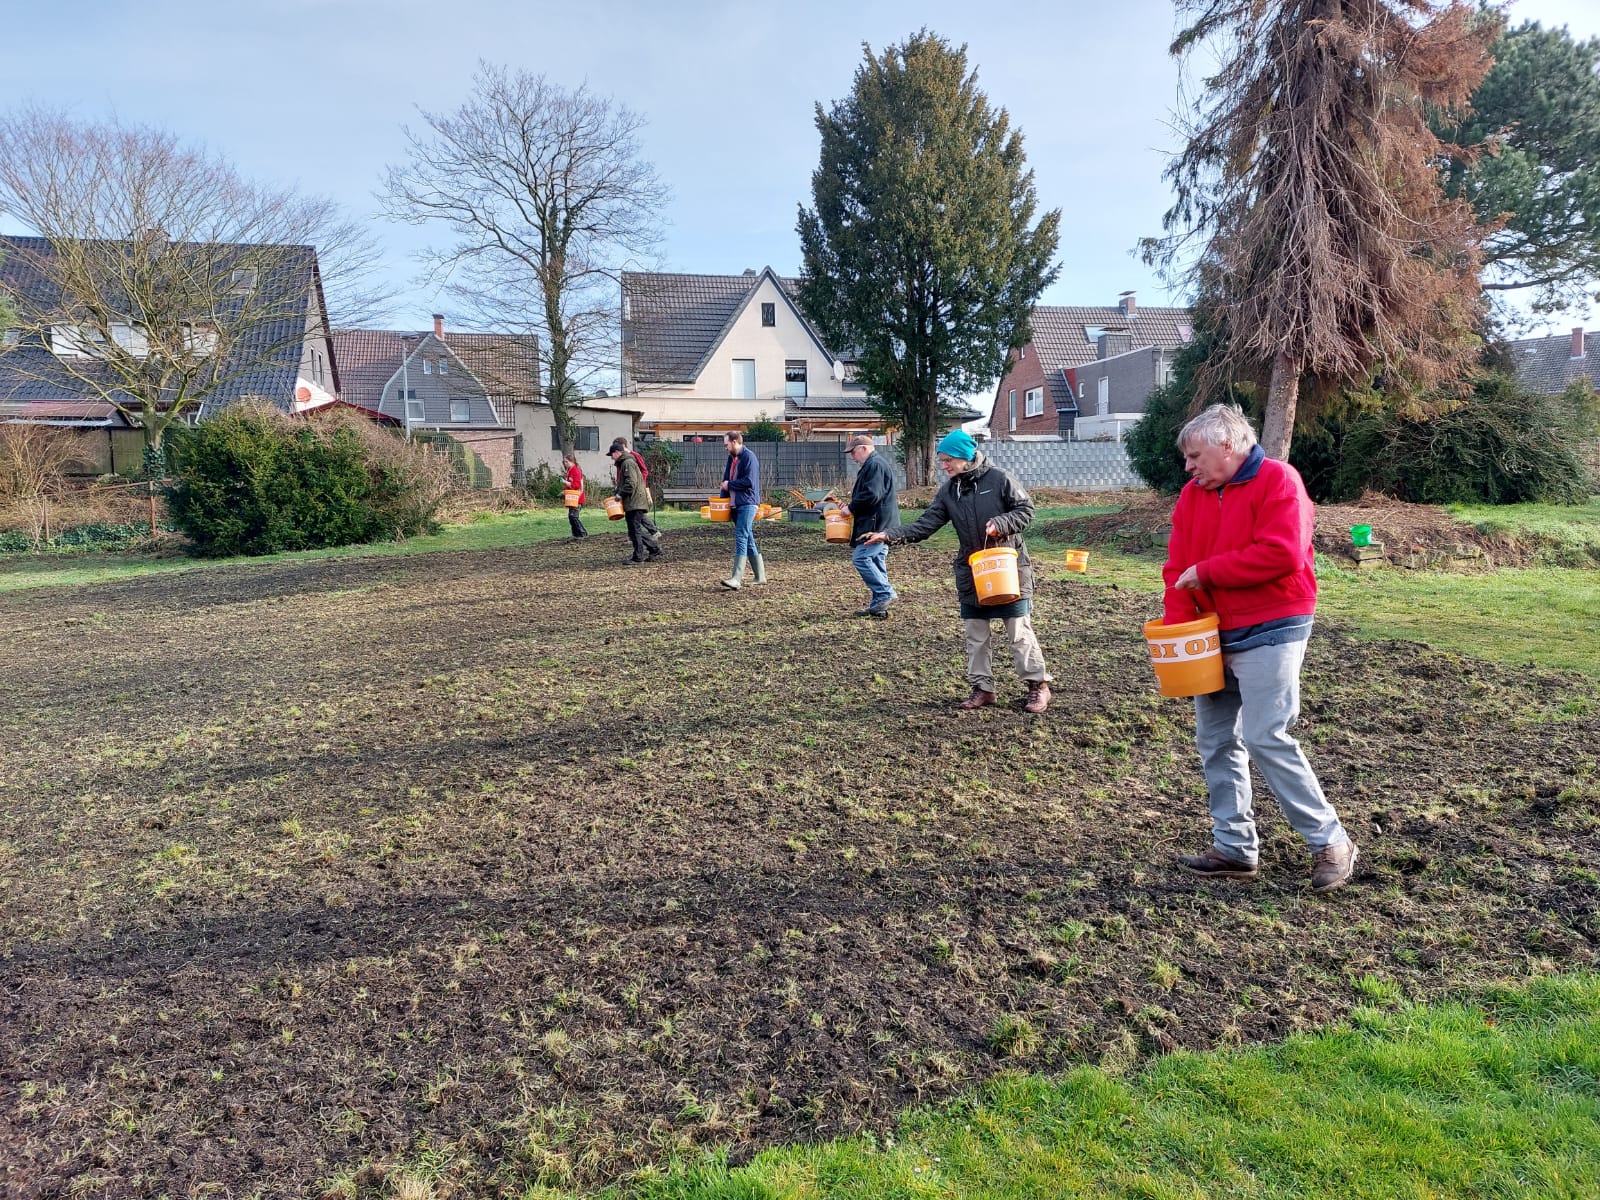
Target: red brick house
[1086,364]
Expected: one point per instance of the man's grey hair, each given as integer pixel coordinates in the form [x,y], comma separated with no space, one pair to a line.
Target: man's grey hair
[1219,425]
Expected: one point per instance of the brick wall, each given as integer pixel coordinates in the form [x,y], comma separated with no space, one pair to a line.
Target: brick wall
[1081,466]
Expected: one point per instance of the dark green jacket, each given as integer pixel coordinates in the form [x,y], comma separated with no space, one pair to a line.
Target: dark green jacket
[630,484]
[968,502]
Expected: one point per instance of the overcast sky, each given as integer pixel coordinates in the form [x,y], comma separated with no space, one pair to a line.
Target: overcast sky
[313,93]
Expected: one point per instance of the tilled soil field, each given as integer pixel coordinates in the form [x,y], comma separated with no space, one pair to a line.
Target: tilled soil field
[527,866]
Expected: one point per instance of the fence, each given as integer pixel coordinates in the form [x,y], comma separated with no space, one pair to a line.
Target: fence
[1080,466]
[783,465]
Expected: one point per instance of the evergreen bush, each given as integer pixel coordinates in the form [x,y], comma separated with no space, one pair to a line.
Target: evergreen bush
[252,480]
[1503,446]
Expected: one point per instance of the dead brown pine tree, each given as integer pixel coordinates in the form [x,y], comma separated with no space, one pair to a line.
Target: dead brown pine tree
[1330,252]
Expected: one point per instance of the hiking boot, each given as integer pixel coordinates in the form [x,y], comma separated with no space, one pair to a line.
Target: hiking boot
[1213,863]
[978,699]
[1332,866]
[1038,697]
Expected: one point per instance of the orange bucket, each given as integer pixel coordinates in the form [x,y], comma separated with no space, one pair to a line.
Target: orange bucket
[705,512]
[613,508]
[721,508]
[836,526]
[994,574]
[572,498]
[1187,656]
[1078,560]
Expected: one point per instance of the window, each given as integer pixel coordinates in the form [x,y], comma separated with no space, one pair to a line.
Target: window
[201,341]
[460,410]
[242,282]
[769,314]
[1105,396]
[1034,403]
[1012,406]
[427,366]
[584,437]
[415,411]
[1083,389]
[794,378]
[10,337]
[744,379]
[1093,332]
[444,366]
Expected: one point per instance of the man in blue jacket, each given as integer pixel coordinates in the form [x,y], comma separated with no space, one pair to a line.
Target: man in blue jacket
[741,484]
[872,507]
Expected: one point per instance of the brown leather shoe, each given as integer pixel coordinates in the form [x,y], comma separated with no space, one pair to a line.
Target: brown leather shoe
[1213,863]
[1332,866]
[1038,698]
[978,699]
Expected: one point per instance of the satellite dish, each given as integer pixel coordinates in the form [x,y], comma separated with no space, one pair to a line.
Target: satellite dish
[838,369]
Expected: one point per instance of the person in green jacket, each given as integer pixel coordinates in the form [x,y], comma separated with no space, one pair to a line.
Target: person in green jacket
[988,508]
[635,499]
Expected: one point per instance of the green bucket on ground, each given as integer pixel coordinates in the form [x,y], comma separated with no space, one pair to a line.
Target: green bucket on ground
[1361,535]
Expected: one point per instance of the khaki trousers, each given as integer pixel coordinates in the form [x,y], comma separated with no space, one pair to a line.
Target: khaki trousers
[1025,651]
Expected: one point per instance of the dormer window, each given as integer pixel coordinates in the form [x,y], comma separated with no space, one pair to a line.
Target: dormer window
[1093,332]
[242,282]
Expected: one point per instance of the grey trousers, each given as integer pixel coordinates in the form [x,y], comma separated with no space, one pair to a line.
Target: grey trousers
[1249,720]
[1025,651]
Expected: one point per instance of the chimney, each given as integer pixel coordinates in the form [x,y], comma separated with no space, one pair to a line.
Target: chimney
[1126,304]
[438,325]
[1577,341]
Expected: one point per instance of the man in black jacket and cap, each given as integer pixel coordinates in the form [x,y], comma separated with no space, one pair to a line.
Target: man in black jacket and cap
[872,507]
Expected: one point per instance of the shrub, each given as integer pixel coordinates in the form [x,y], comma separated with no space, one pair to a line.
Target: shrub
[662,460]
[1503,446]
[255,481]
[764,430]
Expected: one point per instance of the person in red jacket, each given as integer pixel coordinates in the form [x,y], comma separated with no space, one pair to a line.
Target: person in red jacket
[572,481]
[1241,548]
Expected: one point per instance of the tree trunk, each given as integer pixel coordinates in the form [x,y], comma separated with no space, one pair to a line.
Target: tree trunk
[1283,394]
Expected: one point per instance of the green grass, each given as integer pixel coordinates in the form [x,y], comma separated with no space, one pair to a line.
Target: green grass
[1543,615]
[1569,534]
[1498,1098]
[486,531]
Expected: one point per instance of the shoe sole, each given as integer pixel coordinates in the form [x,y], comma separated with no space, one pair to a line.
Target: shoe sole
[1222,872]
[1355,856]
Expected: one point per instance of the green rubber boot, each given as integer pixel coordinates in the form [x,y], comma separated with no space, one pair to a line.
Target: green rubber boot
[735,581]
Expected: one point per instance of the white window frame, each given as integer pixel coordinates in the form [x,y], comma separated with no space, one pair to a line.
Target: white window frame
[795,389]
[1033,402]
[444,366]
[1011,397]
[742,376]
[415,411]
[460,405]
[1103,406]
[427,366]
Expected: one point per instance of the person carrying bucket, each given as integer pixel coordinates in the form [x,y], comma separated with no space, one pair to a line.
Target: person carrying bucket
[1241,547]
[572,481]
[741,484]
[635,499]
[988,508]
[872,507]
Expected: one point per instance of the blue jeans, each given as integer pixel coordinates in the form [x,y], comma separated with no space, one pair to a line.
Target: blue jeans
[1249,721]
[871,563]
[744,530]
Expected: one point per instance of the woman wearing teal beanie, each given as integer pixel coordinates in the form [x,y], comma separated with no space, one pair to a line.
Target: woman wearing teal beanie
[988,508]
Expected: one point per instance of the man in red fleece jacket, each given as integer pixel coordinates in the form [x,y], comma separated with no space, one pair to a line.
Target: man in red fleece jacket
[1241,548]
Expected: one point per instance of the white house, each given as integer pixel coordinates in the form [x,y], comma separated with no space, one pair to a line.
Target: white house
[706,354]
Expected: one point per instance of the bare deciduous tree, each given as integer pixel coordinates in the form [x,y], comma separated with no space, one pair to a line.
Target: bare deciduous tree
[152,276]
[550,201]
[1313,175]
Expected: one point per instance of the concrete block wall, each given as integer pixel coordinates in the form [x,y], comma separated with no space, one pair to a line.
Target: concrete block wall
[1081,466]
